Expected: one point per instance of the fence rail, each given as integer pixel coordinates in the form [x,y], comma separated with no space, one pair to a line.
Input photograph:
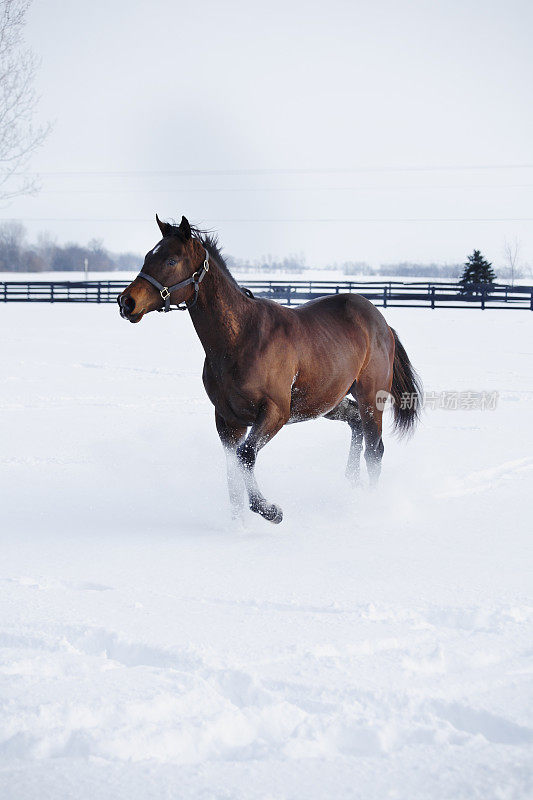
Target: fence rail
[381,293]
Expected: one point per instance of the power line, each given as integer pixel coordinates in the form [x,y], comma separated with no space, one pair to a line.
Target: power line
[283,170]
[280,220]
[290,189]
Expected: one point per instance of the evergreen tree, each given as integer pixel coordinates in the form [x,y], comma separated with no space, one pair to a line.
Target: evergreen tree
[478,274]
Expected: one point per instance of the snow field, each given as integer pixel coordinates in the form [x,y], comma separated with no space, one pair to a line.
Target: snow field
[374,645]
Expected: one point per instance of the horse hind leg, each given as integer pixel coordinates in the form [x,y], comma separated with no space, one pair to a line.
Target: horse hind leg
[372,424]
[374,447]
[348,411]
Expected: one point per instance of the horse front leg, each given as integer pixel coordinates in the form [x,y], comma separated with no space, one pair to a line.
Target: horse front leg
[270,420]
[230,438]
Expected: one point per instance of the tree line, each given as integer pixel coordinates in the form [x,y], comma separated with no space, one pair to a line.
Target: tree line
[45,255]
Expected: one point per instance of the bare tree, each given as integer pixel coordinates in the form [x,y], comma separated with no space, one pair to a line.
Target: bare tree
[511,252]
[19,137]
[12,243]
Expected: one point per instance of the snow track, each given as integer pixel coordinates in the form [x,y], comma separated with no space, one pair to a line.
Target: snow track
[375,645]
[102,694]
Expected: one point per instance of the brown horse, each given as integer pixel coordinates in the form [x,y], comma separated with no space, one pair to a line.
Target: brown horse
[267,365]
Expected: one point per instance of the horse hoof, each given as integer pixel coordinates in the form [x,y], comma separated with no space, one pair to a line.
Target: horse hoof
[238,523]
[354,481]
[237,514]
[273,514]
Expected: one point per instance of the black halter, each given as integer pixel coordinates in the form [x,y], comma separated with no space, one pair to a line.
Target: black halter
[165,291]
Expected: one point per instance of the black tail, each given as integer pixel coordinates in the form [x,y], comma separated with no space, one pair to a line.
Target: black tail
[406,390]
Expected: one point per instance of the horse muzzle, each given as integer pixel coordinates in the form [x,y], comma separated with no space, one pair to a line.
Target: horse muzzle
[126,304]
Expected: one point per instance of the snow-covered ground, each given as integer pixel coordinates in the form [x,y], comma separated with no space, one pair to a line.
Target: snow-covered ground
[373,646]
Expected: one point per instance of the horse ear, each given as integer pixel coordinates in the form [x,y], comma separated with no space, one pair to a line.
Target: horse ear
[164,227]
[184,230]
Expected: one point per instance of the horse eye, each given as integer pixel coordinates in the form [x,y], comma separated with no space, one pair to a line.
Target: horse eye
[171,262]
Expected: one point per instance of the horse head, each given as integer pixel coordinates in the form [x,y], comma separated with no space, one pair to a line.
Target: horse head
[175,259]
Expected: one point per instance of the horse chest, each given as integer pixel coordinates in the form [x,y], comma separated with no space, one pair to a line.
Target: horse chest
[227,397]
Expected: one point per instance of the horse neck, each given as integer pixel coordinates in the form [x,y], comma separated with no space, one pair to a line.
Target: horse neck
[218,315]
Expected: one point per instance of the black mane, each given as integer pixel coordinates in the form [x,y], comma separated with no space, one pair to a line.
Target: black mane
[210,241]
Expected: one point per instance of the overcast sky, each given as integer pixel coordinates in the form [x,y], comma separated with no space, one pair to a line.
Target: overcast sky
[291,127]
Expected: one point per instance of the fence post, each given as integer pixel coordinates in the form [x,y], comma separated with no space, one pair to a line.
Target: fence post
[483,293]
[531,301]
[51,292]
[98,293]
[384,297]
[432,297]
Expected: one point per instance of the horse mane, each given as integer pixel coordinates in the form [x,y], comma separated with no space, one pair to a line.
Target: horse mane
[209,240]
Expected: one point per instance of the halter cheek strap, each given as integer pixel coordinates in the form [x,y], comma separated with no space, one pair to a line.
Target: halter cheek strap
[165,291]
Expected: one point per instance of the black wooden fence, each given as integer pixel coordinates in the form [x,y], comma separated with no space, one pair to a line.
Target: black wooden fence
[382,293]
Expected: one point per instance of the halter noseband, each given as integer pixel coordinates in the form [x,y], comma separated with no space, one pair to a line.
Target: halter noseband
[165,291]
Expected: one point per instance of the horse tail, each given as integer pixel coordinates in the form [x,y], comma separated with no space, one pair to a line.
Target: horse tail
[406,390]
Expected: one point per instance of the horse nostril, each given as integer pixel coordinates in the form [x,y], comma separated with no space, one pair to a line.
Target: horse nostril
[127,303]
